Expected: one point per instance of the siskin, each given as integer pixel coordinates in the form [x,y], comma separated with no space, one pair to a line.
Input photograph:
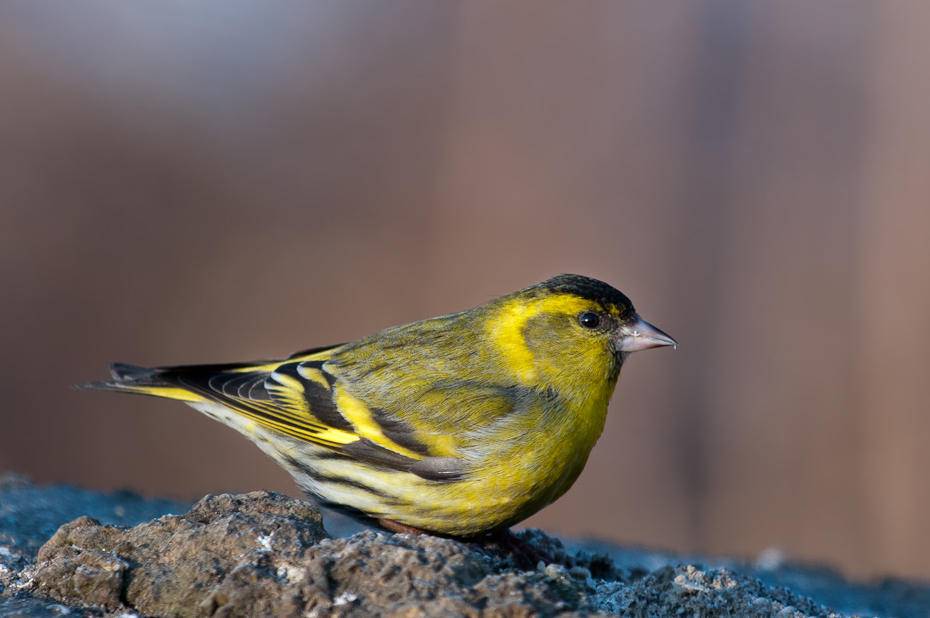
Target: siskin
[455,425]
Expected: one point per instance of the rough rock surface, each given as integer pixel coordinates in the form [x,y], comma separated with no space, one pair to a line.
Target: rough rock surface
[267,554]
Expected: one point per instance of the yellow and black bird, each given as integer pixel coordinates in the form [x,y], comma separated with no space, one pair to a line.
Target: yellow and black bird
[455,425]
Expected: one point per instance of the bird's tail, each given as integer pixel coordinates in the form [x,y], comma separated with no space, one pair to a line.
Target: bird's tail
[141,381]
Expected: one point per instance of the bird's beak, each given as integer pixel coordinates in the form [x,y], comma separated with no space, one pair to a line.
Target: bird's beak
[638,334]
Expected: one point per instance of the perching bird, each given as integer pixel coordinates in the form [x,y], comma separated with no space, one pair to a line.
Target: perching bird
[455,425]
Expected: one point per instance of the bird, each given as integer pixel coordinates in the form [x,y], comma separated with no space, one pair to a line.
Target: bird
[458,425]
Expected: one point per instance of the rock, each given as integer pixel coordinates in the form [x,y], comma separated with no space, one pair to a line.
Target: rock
[227,551]
[690,591]
[267,554]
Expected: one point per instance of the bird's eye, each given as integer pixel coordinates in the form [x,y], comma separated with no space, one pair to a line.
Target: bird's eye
[589,319]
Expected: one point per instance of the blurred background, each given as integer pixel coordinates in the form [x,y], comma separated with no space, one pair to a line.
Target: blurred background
[232,180]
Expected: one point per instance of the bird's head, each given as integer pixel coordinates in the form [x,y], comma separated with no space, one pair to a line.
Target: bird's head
[571,328]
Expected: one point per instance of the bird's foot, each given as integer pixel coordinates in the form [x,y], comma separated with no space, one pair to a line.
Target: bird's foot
[522,553]
[503,542]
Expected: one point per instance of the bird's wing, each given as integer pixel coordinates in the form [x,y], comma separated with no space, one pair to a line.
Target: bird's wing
[300,399]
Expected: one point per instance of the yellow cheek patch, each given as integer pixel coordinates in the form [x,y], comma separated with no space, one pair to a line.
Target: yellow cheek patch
[505,331]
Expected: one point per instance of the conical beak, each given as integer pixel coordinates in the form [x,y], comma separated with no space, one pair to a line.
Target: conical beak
[639,334]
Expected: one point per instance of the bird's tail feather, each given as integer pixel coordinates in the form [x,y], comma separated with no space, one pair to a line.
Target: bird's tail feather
[140,381]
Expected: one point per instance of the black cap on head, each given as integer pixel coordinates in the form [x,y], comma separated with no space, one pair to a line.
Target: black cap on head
[586,287]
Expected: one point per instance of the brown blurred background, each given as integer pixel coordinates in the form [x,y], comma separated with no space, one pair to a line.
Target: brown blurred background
[231,180]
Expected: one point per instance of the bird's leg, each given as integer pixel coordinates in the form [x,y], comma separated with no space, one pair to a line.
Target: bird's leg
[396,526]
